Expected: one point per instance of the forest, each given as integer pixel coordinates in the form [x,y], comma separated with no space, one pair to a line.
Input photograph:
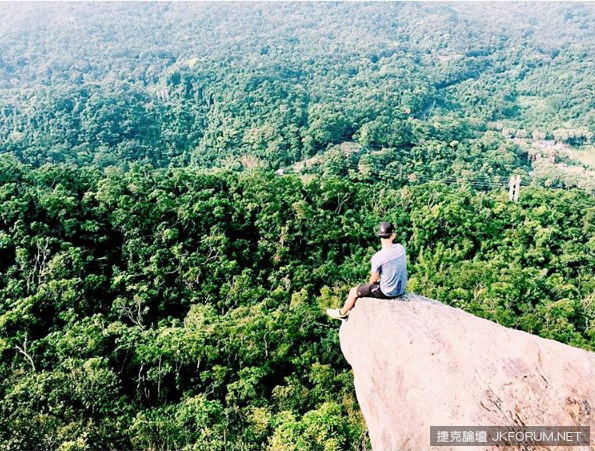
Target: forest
[186,187]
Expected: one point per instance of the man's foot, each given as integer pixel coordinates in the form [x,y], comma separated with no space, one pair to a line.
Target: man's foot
[336,313]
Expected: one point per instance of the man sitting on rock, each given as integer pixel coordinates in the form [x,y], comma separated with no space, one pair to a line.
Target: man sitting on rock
[388,276]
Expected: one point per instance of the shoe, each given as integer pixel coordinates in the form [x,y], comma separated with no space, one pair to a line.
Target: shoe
[336,313]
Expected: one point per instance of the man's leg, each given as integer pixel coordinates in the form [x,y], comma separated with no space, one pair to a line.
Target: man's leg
[350,302]
[354,293]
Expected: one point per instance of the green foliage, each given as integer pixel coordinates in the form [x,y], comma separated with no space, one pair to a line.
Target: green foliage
[162,288]
[183,309]
[115,84]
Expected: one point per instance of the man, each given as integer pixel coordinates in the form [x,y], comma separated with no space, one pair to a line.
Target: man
[388,277]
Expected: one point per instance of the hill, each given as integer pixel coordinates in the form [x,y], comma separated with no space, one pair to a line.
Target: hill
[214,84]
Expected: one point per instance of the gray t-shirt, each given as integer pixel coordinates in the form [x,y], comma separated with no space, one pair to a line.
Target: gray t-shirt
[391,263]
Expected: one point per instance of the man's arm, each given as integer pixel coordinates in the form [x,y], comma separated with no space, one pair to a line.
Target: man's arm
[374,270]
[374,277]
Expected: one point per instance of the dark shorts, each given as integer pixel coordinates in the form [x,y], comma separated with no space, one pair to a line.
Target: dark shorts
[372,290]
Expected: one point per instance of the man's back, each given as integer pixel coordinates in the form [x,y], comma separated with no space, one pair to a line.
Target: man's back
[391,263]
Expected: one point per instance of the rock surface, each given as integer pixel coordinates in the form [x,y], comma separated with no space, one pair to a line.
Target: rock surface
[419,363]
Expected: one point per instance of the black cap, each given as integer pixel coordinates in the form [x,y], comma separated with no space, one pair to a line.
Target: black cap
[385,229]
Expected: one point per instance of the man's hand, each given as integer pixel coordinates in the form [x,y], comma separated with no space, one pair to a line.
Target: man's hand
[374,277]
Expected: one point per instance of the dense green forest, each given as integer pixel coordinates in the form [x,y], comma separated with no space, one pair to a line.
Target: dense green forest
[185,187]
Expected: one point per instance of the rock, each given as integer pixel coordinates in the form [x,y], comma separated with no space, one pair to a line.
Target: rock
[418,363]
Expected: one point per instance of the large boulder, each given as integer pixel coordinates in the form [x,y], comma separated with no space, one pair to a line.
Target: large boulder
[418,363]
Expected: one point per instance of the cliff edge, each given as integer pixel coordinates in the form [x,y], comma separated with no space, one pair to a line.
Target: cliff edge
[419,363]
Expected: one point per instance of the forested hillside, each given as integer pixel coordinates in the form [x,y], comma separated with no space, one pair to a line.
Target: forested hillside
[174,83]
[185,187]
